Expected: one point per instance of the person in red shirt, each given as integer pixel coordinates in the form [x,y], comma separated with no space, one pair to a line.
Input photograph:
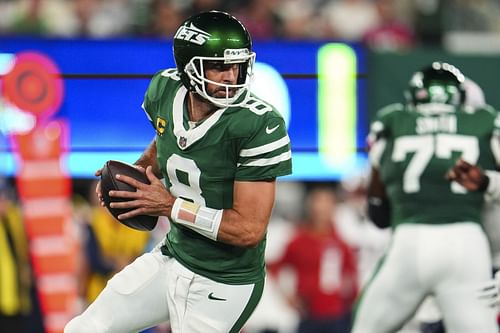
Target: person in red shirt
[391,34]
[324,266]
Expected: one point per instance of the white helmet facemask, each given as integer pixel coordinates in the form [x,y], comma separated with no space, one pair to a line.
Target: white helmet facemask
[196,73]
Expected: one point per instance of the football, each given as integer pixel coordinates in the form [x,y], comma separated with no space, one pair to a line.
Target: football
[109,182]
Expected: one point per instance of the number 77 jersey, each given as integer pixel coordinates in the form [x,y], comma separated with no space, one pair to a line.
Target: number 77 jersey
[413,150]
[200,163]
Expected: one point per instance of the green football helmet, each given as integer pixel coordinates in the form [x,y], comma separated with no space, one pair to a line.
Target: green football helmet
[438,84]
[214,37]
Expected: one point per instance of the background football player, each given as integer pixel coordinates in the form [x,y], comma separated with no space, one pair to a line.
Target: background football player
[428,315]
[219,150]
[439,247]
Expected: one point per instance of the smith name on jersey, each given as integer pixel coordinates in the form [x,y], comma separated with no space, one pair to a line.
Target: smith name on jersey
[413,151]
[201,161]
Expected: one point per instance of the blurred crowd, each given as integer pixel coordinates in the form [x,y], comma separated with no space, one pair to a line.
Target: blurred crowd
[381,23]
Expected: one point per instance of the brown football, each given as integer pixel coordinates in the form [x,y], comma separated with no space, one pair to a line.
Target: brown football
[109,182]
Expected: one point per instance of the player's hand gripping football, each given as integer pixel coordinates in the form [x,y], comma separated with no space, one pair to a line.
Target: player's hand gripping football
[149,199]
[469,176]
[98,191]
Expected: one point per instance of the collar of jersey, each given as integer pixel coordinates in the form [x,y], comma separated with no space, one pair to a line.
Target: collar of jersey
[190,136]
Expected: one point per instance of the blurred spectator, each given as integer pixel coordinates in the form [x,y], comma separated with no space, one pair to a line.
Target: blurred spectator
[83,14]
[298,19]
[393,25]
[7,13]
[325,268]
[164,18]
[390,34]
[350,19]
[97,18]
[15,271]
[36,18]
[429,21]
[198,6]
[259,18]
[77,18]
[28,20]
[473,15]
[109,246]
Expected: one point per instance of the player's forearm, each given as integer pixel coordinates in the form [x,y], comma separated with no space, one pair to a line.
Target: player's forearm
[227,226]
[148,157]
[243,225]
[239,230]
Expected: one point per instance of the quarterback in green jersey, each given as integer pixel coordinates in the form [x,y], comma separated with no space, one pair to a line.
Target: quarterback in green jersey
[438,247]
[218,149]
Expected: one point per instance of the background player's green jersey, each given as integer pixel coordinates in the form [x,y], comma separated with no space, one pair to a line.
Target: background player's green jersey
[414,150]
[201,161]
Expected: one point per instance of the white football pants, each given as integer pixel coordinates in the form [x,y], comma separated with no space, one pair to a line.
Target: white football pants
[449,261]
[156,288]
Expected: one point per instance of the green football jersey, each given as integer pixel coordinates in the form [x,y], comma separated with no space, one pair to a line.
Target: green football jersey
[414,150]
[200,162]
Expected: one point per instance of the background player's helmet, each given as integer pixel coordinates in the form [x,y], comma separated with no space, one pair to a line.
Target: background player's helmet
[439,83]
[214,36]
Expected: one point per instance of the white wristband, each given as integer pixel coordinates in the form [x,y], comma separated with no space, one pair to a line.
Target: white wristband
[205,221]
[493,190]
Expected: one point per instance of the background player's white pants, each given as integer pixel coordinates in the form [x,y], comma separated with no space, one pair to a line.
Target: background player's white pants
[450,261]
[156,288]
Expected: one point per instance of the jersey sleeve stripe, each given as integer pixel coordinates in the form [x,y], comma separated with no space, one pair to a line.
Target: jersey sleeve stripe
[268,161]
[265,148]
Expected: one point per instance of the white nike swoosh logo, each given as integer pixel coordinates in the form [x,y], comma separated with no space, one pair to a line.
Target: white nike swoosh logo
[270,130]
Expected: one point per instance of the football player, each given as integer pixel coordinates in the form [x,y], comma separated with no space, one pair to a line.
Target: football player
[219,150]
[428,315]
[439,247]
